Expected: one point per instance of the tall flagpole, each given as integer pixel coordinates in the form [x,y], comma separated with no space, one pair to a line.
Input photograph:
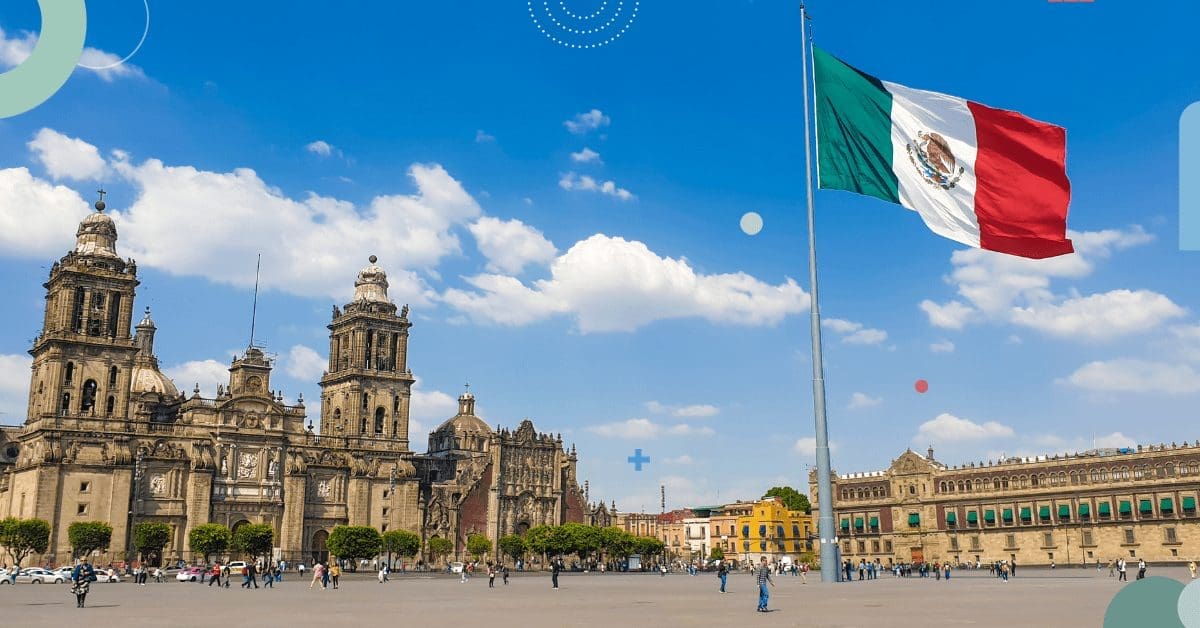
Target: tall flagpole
[825,527]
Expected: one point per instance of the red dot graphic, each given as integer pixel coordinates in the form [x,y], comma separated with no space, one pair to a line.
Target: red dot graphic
[922,386]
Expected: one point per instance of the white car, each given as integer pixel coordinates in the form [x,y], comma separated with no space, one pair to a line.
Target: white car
[105,575]
[235,567]
[36,575]
[456,567]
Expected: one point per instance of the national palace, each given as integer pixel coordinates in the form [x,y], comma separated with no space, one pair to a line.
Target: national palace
[107,436]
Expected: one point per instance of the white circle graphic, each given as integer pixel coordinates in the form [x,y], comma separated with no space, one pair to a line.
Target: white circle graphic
[751,223]
[579,29]
[145,31]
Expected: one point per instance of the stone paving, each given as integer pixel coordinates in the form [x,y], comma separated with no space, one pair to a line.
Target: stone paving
[1064,597]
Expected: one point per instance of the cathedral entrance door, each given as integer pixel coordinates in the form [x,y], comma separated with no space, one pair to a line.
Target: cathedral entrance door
[320,553]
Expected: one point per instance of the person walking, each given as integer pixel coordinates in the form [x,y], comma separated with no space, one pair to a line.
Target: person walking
[763,577]
[81,581]
[1004,571]
[1141,568]
[318,572]
[216,576]
[226,575]
[555,567]
[1192,569]
[269,576]
[505,572]
[252,574]
[723,574]
[325,574]
[946,567]
[1012,567]
[301,570]
[381,576]
[335,572]
[1121,577]
[491,576]
[1112,568]
[804,574]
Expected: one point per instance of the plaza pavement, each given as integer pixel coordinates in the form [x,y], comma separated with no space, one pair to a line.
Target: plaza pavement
[1036,597]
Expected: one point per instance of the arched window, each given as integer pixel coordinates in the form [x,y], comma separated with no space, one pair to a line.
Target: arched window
[112,377]
[110,405]
[1074,478]
[66,403]
[88,401]
[379,420]
[396,404]
[395,427]
[978,484]
[337,416]
[365,401]
[70,374]
[996,484]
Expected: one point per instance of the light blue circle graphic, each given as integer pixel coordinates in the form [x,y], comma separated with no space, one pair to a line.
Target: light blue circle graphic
[145,31]
[1189,605]
[59,46]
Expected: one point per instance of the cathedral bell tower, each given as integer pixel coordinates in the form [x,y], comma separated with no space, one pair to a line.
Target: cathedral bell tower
[367,386]
[84,355]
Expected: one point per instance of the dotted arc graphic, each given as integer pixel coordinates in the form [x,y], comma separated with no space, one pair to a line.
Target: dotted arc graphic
[59,46]
[145,32]
[581,29]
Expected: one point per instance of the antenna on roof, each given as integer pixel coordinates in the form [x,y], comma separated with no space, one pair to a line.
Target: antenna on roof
[254,308]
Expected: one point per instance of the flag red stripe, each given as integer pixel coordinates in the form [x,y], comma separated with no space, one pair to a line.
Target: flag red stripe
[1023,191]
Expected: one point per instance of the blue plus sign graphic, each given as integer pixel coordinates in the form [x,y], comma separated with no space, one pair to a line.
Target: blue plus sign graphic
[637,460]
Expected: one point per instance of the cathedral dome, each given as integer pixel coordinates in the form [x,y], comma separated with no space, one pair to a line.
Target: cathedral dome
[148,378]
[97,234]
[372,283]
[465,422]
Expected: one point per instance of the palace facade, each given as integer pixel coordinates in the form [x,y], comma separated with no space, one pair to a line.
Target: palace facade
[109,437]
[1098,505]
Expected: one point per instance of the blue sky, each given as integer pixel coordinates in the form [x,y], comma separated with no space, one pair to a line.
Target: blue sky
[609,294]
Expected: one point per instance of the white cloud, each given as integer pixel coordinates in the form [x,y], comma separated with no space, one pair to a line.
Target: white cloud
[646,429]
[679,460]
[952,315]
[949,428]
[944,346]
[807,448]
[692,411]
[509,245]
[16,49]
[305,364]
[427,409]
[14,387]
[586,155]
[37,218]
[576,182]
[206,373]
[1136,376]
[66,157]
[322,148]
[863,400]
[587,121]
[611,284]
[1100,316]
[854,333]
[483,138]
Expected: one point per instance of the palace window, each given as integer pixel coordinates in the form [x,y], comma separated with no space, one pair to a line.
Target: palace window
[1169,535]
[1048,539]
[1129,537]
[85,487]
[975,542]
[996,484]
[887,546]
[874,547]
[1010,540]
[845,547]
[862,547]
[1087,537]
[81,509]
[954,543]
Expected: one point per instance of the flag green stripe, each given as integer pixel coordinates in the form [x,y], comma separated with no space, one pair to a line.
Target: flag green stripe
[854,130]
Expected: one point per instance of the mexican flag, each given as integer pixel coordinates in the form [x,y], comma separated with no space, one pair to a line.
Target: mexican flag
[985,177]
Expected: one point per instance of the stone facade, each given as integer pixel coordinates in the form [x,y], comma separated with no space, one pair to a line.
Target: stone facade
[1067,509]
[109,437]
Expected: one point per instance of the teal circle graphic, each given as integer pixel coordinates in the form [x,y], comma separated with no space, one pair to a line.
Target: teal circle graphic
[59,46]
[1145,603]
[1189,605]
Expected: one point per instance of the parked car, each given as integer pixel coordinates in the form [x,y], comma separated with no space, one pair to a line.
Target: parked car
[36,575]
[456,567]
[235,567]
[191,574]
[107,575]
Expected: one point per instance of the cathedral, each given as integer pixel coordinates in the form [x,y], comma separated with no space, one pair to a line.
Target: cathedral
[109,437]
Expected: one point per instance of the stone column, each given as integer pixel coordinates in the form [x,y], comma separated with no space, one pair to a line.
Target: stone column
[197,504]
[291,530]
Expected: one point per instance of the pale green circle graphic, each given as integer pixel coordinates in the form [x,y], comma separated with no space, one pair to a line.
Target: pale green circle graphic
[59,46]
[751,223]
[1145,603]
[1189,605]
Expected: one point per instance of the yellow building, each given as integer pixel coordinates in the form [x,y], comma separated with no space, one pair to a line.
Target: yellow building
[771,530]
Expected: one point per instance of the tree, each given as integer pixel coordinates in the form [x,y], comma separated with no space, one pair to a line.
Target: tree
[716,554]
[255,539]
[150,537]
[537,539]
[615,542]
[89,536]
[402,542]
[209,539]
[478,545]
[439,547]
[22,537]
[579,539]
[793,499]
[649,546]
[512,545]
[354,542]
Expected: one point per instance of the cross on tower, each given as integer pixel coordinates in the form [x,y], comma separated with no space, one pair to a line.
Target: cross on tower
[468,387]
[637,460]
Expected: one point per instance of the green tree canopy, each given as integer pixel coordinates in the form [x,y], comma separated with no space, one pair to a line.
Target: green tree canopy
[209,539]
[537,539]
[354,542]
[89,536]
[717,553]
[793,499]
[615,542]
[22,537]
[150,537]
[580,539]
[402,542]
[478,545]
[255,539]
[512,545]
[648,546]
[439,547]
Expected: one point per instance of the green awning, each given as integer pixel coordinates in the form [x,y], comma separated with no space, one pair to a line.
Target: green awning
[858,523]
[874,522]
[1085,510]
[972,516]
[1007,514]
[1125,508]
[989,516]
[1166,505]
[1044,512]
[1026,514]
[1189,503]
[951,518]
[1146,506]
[1064,511]
[914,519]
[1105,509]
[845,524]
